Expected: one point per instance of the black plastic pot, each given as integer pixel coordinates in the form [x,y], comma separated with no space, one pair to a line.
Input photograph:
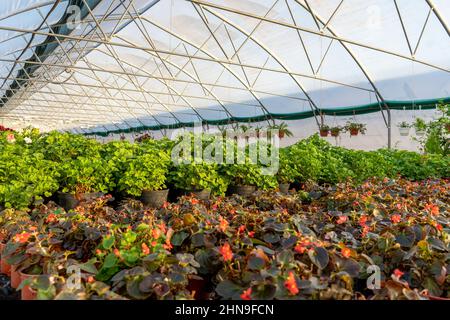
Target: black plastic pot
[284,187]
[155,198]
[117,198]
[199,286]
[297,185]
[199,194]
[70,201]
[242,190]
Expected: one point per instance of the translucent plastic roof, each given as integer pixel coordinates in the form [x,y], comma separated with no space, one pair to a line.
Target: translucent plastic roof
[153,64]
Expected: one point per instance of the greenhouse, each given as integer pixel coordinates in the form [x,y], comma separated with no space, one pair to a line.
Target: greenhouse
[224,150]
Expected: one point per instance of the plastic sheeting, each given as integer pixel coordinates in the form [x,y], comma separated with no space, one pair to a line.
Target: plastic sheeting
[133,65]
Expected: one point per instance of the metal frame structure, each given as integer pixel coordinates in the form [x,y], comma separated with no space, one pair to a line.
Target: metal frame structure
[66,85]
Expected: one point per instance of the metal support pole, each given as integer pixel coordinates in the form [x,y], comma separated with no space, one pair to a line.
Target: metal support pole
[389,127]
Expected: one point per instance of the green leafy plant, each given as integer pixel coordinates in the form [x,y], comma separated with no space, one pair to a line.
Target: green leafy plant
[324,129]
[25,177]
[248,174]
[436,139]
[198,176]
[287,171]
[306,160]
[86,175]
[62,147]
[404,124]
[420,124]
[282,129]
[335,131]
[354,128]
[415,166]
[145,172]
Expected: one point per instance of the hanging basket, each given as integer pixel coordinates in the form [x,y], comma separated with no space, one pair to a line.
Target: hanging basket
[324,133]
[354,132]
[403,131]
[335,134]
[420,133]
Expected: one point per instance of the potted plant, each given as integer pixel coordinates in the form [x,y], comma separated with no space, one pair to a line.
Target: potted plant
[420,127]
[30,284]
[355,128]
[287,171]
[3,240]
[246,178]
[84,179]
[35,251]
[145,176]
[248,131]
[258,131]
[335,131]
[282,130]
[199,179]
[14,231]
[26,177]
[324,130]
[403,128]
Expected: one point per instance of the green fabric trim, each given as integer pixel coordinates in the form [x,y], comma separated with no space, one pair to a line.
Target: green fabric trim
[345,111]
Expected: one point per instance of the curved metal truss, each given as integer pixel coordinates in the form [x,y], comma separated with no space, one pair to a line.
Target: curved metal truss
[106,65]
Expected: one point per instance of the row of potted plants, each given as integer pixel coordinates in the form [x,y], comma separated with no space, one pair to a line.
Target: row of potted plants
[246,131]
[419,125]
[73,168]
[70,168]
[354,128]
[433,136]
[318,243]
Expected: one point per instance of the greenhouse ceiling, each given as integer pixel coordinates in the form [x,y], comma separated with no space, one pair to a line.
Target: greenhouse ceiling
[108,65]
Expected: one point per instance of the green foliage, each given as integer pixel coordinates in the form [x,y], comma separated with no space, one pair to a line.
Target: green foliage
[318,160]
[287,171]
[403,124]
[145,172]
[282,129]
[305,157]
[84,175]
[436,139]
[334,169]
[249,174]
[361,127]
[415,166]
[420,124]
[365,165]
[198,176]
[25,176]
[335,131]
[118,154]
[62,147]
[33,166]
